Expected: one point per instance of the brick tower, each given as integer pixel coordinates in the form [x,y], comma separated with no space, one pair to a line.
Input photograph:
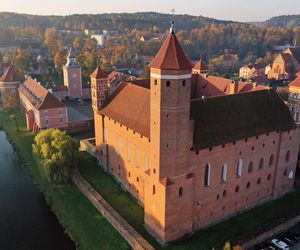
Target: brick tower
[171,138]
[9,83]
[72,77]
[98,88]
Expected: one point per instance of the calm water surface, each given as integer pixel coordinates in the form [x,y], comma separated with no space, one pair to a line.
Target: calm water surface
[26,221]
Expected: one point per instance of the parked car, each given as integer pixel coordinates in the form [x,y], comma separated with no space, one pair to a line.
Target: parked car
[280,244]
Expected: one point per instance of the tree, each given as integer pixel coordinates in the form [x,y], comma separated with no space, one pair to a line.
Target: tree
[57,153]
[227,246]
[11,103]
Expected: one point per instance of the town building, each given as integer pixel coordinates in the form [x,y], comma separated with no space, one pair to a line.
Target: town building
[251,70]
[31,47]
[193,157]
[42,109]
[9,83]
[285,65]
[294,99]
[72,77]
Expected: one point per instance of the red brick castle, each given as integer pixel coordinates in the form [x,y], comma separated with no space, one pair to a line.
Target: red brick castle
[189,156]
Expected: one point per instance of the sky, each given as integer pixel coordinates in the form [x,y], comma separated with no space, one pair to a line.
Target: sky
[237,10]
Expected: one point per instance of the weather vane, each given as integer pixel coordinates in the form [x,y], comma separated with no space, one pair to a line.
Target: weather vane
[172,29]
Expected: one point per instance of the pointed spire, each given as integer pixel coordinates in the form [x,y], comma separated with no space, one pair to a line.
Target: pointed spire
[71,53]
[10,75]
[171,55]
[98,73]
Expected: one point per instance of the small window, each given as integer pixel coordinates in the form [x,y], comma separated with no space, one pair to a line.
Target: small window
[137,179]
[248,184]
[153,190]
[287,156]
[224,193]
[250,167]
[61,120]
[183,83]
[224,173]
[291,175]
[237,189]
[168,83]
[180,192]
[207,175]
[258,180]
[271,160]
[239,168]
[261,163]
[155,82]
[47,123]
[285,172]
[118,144]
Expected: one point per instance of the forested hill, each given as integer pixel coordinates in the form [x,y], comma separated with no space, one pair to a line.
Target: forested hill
[286,21]
[141,21]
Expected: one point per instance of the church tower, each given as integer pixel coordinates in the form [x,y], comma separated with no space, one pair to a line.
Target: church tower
[9,83]
[170,142]
[72,76]
[98,88]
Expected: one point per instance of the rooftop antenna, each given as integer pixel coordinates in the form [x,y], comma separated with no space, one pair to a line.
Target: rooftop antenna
[172,29]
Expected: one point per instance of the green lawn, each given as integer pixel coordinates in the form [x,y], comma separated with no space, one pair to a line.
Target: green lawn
[85,225]
[236,229]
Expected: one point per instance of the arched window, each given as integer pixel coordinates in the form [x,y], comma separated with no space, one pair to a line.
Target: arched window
[207,175]
[224,172]
[291,175]
[269,177]
[168,83]
[224,193]
[183,83]
[180,192]
[250,167]
[271,160]
[258,180]
[287,156]
[261,163]
[153,189]
[239,168]
[248,184]
[237,189]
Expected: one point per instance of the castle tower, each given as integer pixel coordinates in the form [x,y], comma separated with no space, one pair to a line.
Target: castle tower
[72,77]
[171,139]
[294,99]
[9,83]
[200,68]
[98,88]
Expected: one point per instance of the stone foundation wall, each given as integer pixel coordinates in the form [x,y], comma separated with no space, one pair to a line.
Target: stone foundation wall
[135,240]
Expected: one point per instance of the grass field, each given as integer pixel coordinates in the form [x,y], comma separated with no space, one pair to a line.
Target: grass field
[85,225]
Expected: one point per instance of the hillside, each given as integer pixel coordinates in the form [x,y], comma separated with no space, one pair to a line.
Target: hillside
[286,21]
[141,20]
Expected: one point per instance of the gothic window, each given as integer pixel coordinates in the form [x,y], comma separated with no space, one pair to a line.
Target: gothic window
[137,157]
[224,172]
[248,185]
[250,167]
[261,163]
[128,151]
[224,193]
[207,175]
[180,192]
[287,156]
[271,160]
[258,180]
[239,168]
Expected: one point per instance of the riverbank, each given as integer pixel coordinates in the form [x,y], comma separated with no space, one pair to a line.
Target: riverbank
[81,220]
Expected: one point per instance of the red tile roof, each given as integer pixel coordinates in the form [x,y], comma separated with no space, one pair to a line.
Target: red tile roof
[98,73]
[200,66]
[10,75]
[130,106]
[171,56]
[295,83]
[39,96]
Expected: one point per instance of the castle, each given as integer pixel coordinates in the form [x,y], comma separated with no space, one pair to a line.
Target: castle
[191,148]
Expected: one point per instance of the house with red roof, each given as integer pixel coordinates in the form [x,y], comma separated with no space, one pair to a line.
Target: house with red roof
[193,150]
[42,109]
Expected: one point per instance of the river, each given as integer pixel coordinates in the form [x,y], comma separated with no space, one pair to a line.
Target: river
[26,221]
